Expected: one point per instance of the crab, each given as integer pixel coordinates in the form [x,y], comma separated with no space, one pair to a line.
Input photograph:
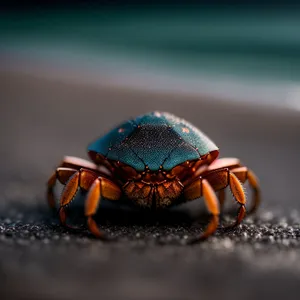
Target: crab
[154,161]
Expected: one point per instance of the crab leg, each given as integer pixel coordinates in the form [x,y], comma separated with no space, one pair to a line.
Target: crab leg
[243,174]
[62,175]
[196,189]
[97,187]
[66,169]
[73,179]
[100,188]
[220,179]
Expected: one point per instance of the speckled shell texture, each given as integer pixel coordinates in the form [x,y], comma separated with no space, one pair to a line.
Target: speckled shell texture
[154,139]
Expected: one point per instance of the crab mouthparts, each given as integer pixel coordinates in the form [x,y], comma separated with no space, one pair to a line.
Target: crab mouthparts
[153,196]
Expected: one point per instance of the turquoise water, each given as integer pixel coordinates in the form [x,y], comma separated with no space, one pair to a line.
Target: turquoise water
[248,44]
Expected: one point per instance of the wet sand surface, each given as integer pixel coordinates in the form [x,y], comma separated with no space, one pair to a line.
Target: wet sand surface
[42,120]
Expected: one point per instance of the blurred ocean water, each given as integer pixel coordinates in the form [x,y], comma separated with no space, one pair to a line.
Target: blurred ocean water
[236,54]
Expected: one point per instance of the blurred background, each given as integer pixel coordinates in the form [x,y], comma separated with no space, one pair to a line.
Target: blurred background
[235,52]
[72,70]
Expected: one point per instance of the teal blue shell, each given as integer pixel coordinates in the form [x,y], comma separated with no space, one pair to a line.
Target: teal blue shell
[154,139]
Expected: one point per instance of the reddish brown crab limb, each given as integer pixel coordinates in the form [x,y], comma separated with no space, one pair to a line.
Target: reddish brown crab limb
[243,174]
[62,175]
[101,187]
[221,163]
[220,179]
[73,179]
[70,162]
[97,187]
[68,166]
[196,189]
[91,205]
[79,179]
